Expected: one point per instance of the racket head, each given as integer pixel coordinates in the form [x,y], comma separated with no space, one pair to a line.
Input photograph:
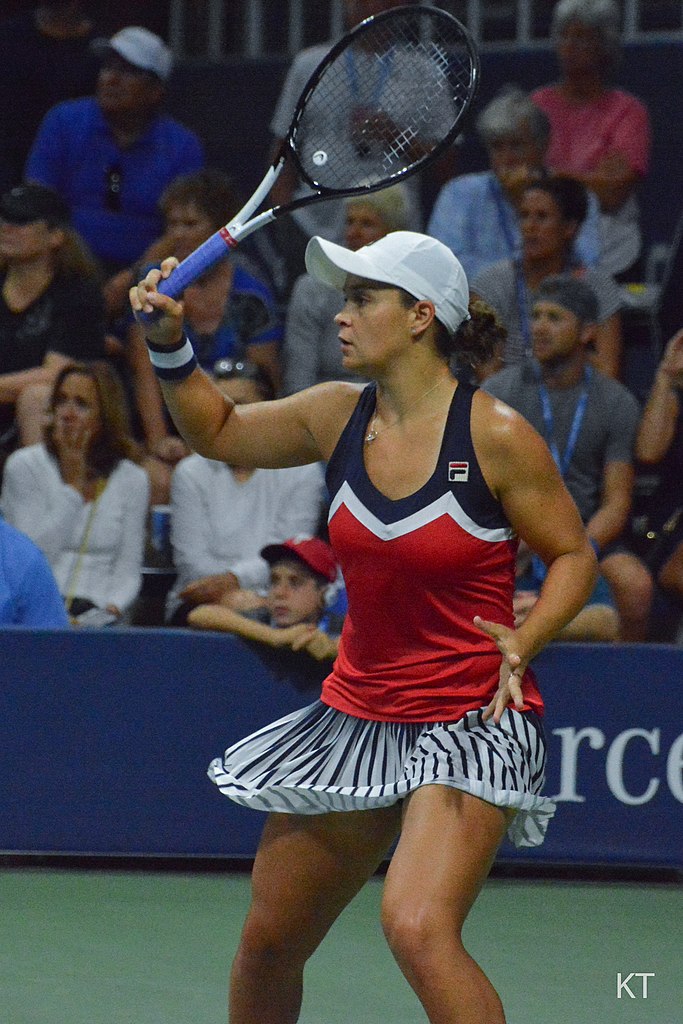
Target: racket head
[385,101]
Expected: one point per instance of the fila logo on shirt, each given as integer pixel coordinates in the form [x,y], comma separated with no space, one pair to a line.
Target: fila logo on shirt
[458,472]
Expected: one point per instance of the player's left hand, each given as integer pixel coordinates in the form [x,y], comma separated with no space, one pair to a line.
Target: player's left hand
[511,670]
[160,315]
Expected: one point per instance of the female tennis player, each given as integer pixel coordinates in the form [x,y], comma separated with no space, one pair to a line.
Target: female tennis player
[429,725]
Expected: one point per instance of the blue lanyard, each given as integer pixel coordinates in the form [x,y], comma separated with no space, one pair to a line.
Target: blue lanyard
[385,61]
[539,570]
[503,216]
[563,461]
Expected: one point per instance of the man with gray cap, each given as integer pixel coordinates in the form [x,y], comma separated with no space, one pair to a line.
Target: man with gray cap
[113,154]
[589,422]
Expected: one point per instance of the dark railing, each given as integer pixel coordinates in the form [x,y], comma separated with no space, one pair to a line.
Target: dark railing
[253,28]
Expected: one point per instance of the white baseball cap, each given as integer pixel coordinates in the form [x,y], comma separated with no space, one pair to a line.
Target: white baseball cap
[141,48]
[421,265]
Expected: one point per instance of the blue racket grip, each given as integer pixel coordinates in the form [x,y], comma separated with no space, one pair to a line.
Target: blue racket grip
[213,250]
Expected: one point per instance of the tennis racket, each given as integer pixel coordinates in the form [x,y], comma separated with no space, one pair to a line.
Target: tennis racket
[384,102]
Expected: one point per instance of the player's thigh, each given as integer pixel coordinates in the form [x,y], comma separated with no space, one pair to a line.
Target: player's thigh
[308,868]
[448,842]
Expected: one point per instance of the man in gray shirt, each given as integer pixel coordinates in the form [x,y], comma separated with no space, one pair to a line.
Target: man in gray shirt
[589,422]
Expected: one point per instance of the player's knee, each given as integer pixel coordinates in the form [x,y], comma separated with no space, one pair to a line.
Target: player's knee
[264,946]
[412,932]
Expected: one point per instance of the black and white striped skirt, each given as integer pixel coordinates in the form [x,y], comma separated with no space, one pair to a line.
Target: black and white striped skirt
[317,760]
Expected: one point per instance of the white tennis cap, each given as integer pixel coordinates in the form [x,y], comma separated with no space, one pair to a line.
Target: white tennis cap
[141,48]
[421,265]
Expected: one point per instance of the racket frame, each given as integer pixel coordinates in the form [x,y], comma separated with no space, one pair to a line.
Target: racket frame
[240,227]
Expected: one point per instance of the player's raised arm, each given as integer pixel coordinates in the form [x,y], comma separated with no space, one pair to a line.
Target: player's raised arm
[292,431]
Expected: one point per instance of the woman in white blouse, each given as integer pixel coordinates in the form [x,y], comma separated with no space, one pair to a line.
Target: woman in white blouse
[79,494]
[222,516]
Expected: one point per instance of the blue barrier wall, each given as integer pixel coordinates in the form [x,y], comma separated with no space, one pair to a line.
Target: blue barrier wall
[105,737]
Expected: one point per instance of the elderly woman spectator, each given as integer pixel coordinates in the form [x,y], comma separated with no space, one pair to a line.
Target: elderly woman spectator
[476,215]
[311,350]
[80,496]
[599,134]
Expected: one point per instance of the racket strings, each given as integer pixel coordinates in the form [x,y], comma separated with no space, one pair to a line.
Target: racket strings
[385,102]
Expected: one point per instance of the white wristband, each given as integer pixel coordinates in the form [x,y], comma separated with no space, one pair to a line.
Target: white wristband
[175,364]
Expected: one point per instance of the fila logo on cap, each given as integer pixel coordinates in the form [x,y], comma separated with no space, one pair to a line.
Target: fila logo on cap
[458,472]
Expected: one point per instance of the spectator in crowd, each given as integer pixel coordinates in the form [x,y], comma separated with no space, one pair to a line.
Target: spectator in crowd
[551,212]
[476,215]
[589,422]
[312,352]
[292,618]
[51,307]
[291,233]
[599,134]
[80,496]
[229,312]
[659,448]
[45,57]
[112,154]
[222,516]
[193,206]
[598,620]
[29,595]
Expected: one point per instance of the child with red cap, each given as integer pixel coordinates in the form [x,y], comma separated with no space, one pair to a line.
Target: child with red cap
[293,613]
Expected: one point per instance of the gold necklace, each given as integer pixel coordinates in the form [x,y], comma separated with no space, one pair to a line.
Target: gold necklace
[373,432]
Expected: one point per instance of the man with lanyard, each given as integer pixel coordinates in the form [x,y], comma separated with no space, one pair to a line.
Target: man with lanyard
[589,422]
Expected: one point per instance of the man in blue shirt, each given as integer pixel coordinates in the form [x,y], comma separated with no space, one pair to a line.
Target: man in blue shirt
[28,591]
[113,154]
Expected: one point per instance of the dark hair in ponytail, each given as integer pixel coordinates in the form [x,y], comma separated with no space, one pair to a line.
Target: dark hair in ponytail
[476,339]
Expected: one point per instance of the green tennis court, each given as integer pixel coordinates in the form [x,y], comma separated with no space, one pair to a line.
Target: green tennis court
[113,947]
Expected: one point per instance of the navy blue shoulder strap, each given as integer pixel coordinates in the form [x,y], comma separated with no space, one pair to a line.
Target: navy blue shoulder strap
[458,464]
[346,460]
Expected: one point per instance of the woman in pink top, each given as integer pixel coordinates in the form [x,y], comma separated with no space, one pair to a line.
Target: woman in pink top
[599,134]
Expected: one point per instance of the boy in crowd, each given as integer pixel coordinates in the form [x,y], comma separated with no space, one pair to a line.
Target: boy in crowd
[293,615]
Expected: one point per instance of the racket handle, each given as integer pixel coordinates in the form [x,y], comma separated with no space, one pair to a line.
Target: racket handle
[213,250]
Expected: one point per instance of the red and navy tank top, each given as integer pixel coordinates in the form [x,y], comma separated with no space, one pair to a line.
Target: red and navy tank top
[417,570]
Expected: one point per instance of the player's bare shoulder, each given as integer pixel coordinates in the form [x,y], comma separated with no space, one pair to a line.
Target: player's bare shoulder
[494,423]
[327,409]
[505,442]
